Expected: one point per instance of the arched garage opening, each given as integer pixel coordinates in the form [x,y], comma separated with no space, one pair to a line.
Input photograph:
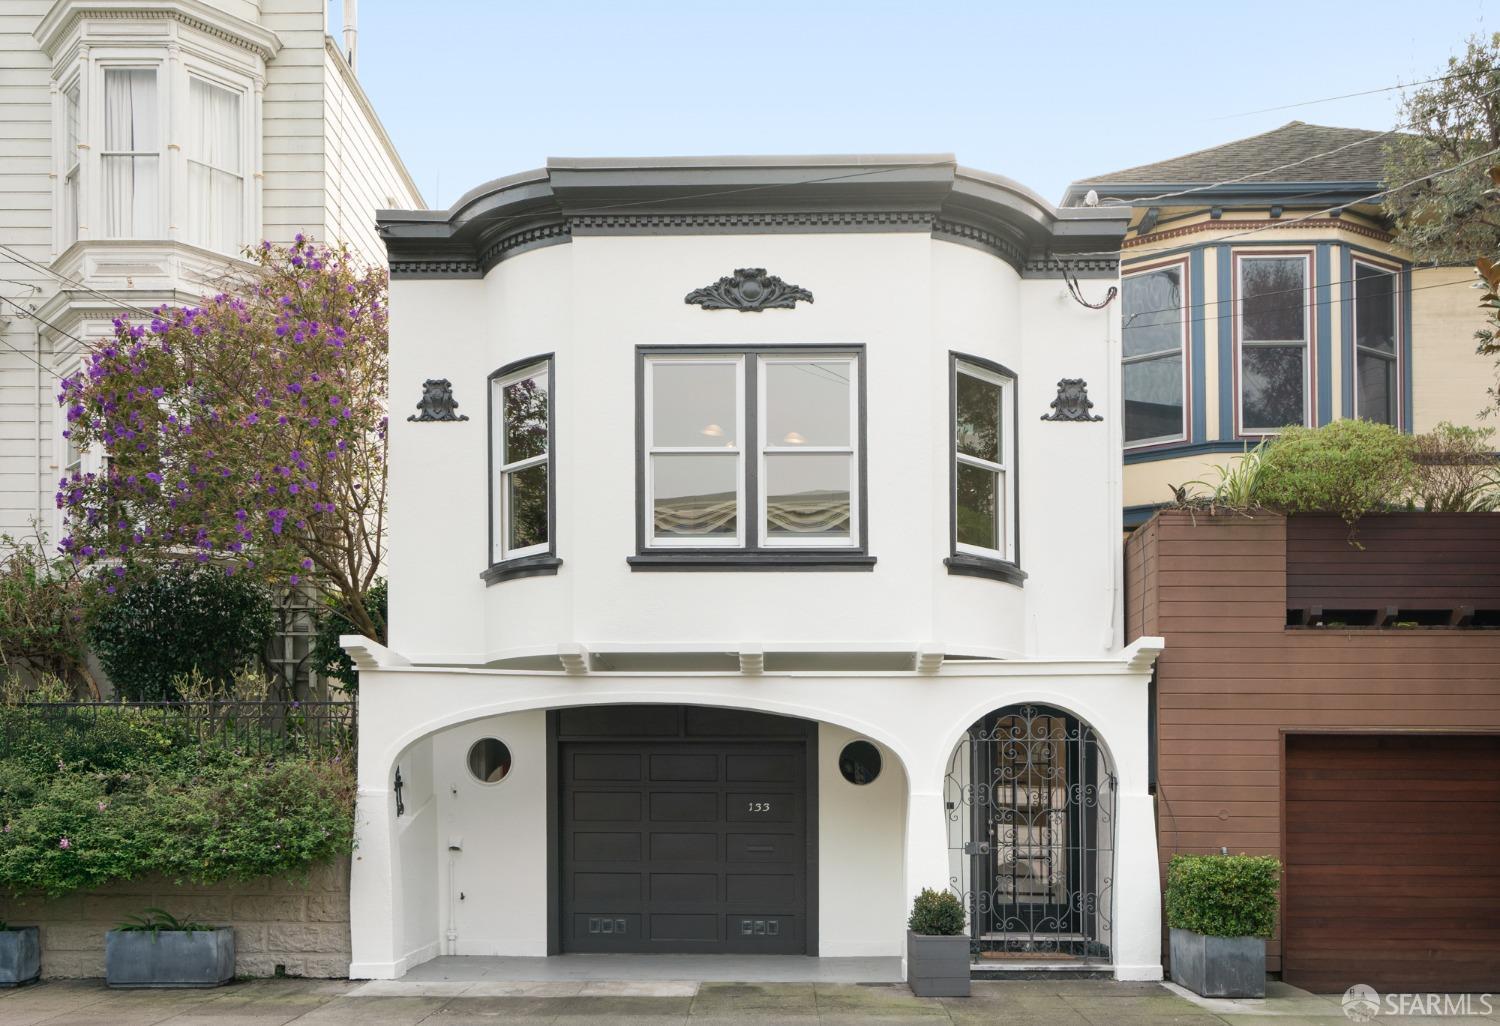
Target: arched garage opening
[1031,801]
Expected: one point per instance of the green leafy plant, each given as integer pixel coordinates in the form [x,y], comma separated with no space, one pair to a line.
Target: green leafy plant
[1236,485]
[177,620]
[1455,470]
[1223,895]
[328,658]
[43,615]
[155,920]
[1348,467]
[936,914]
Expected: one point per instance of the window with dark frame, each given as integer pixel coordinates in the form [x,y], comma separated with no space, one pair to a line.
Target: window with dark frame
[1376,343]
[1154,340]
[753,450]
[522,450]
[984,447]
[1273,341]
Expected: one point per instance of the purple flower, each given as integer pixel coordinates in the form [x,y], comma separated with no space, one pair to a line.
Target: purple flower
[64,844]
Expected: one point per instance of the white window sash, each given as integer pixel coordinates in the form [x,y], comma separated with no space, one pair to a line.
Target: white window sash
[132,174]
[1005,514]
[767,449]
[501,478]
[652,450]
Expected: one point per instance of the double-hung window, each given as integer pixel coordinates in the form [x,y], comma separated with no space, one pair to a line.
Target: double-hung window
[1377,350]
[131,158]
[984,453]
[750,455]
[216,175]
[1273,341]
[1154,338]
[71,177]
[522,482]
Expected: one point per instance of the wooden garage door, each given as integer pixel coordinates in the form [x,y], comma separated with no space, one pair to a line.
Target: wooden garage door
[1392,863]
[684,846]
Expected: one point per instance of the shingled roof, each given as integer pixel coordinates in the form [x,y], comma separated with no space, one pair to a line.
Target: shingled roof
[1292,143]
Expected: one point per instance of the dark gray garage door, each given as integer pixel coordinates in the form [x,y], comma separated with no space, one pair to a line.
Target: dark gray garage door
[684,844]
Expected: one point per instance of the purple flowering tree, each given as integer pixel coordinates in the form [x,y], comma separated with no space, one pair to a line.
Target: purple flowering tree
[249,432]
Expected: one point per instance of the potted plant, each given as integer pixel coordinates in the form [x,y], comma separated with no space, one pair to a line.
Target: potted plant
[937,947]
[1221,909]
[20,955]
[155,950]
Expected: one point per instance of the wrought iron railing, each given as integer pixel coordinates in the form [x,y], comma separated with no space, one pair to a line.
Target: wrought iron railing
[323,729]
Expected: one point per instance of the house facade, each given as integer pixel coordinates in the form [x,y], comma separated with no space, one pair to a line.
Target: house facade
[1335,706]
[1260,287]
[754,565]
[147,143]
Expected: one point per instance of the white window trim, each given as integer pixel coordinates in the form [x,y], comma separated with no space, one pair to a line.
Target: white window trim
[1306,342]
[765,449]
[1182,352]
[1007,484]
[241,88]
[70,165]
[652,450]
[1394,270]
[500,552]
[99,132]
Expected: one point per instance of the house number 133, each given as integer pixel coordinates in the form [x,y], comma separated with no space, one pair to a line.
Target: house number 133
[758,807]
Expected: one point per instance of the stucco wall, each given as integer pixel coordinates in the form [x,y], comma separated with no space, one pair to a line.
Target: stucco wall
[300,927]
[1449,380]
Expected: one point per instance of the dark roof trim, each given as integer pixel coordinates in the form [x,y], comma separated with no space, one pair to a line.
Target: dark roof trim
[749,195]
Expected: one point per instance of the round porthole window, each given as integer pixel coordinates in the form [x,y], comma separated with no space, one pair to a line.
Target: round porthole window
[489,760]
[859,762]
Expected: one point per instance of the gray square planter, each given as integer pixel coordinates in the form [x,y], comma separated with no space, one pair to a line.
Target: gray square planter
[20,956]
[169,958]
[937,966]
[1219,967]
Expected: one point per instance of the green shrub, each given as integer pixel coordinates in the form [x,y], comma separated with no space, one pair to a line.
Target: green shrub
[175,620]
[936,914]
[111,794]
[1223,895]
[43,625]
[1348,467]
[1456,470]
[328,658]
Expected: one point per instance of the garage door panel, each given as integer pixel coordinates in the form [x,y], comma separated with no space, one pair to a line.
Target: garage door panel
[778,890]
[606,890]
[764,807]
[684,847]
[595,846]
[606,806]
[671,926]
[607,766]
[684,807]
[673,768]
[764,847]
[739,768]
[684,888]
[1392,850]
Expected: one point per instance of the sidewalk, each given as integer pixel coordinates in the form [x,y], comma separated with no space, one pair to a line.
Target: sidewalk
[649,1003]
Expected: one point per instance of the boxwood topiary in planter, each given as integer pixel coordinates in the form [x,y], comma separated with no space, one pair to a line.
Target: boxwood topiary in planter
[937,948]
[1221,909]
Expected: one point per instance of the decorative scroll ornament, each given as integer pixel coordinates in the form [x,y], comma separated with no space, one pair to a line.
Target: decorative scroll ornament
[437,402]
[749,290]
[1072,402]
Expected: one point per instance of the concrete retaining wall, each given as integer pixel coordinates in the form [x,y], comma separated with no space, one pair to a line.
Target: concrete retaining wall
[300,927]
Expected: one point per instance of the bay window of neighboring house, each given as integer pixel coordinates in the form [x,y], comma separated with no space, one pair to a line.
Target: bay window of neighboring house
[983,445]
[751,456]
[1273,341]
[1377,343]
[1154,339]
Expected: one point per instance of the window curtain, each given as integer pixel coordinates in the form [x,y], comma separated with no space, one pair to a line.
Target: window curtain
[131,153]
[215,176]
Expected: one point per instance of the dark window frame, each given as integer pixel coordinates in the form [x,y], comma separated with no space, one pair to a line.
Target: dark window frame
[754,554]
[536,564]
[971,564]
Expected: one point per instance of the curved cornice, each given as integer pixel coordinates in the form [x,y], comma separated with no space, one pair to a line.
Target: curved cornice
[751,195]
[58,23]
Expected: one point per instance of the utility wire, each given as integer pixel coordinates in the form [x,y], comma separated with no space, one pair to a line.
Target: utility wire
[1347,96]
[15,348]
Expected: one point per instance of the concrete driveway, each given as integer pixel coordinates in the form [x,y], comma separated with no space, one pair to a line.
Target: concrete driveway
[648,1003]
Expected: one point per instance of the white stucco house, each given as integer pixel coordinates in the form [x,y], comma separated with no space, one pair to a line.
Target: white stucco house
[146,142]
[755,563]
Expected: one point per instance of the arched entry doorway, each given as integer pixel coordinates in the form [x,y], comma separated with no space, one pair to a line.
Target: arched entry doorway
[1030,797]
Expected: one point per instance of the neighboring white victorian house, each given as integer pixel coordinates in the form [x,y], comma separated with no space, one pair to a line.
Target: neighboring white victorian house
[728,624]
[146,142]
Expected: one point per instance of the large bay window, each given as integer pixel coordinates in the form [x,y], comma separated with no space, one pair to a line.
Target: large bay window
[983,442]
[215,164]
[522,482]
[1377,350]
[1273,334]
[1154,338]
[131,158]
[750,455]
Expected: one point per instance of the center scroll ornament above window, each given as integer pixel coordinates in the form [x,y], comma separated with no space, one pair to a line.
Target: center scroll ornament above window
[748,290]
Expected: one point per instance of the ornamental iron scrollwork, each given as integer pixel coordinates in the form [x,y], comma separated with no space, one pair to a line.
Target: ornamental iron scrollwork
[748,290]
[1031,825]
[1072,402]
[437,402]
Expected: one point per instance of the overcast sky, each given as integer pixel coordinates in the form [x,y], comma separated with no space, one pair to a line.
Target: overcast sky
[1044,92]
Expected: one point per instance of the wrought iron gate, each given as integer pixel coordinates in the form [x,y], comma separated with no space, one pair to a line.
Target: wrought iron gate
[1031,826]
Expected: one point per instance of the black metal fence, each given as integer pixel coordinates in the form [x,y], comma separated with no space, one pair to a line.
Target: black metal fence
[324,729]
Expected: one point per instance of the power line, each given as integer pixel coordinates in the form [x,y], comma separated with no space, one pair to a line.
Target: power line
[1347,96]
[17,349]
[33,315]
[26,261]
